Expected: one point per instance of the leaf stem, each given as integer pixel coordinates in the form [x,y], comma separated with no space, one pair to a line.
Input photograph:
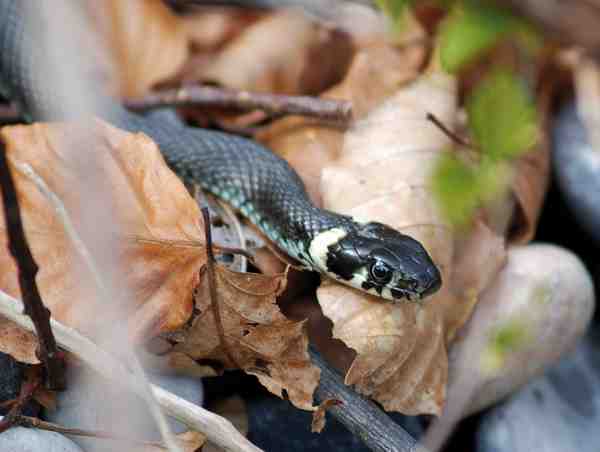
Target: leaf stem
[212,287]
[454,137]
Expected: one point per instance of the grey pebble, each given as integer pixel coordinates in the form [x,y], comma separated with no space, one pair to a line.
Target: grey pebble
[20,439]
[559,412]
[577,168]
[93,403]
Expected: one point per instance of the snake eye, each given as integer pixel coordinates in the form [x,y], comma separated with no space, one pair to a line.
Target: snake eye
[380,272]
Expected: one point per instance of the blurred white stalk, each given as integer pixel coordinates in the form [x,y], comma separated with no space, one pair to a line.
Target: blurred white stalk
[65,68]
[218,429]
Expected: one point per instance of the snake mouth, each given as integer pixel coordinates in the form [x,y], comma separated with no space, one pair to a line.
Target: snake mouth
[404,294]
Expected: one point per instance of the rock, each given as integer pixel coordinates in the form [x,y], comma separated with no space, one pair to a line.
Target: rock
[545,295]
[559,412]
[577,168]
[94,403]
[20,439]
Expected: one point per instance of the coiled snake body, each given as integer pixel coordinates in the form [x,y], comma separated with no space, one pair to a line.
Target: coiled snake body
[368,256]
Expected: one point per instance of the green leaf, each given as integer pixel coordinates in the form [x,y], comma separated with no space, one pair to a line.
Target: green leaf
[393,8]
[455,186]
[505,340]
[460,188]
[502,116]
[471,29]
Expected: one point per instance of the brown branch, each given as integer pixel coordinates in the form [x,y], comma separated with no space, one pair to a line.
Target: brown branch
[32,422]
[273,104]
[27,269]
[339,111]
[212,286]
[361,416]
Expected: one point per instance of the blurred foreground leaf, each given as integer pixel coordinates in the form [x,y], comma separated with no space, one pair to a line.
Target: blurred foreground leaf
[470,29]
[456,187]
[504,341]
[502,116]
[393,8]
[461,188]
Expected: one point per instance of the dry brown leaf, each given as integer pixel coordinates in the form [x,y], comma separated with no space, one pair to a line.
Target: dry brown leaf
[209,29]
[284,53]
[529,189]
[376,72]
[479,256]
[146,41]
[318,418]
[401,350]
[189,441]
[46,398]
[149,202]
[259,338]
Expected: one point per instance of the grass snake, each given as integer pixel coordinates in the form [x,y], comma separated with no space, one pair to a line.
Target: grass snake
[264,188]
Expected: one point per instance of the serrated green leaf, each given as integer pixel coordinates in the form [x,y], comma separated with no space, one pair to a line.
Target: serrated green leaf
[502,116]
[469,30]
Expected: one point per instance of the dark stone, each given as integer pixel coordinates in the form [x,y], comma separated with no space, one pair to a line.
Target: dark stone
[577,169]
[11,376]
[275,424]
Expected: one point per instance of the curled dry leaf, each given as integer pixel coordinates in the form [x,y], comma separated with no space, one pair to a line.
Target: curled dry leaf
[376,71]
[382,175]
[479,256]
[209,29]
[318,418]
[147,42]
[529,189]
[258,337]
[149,202]
[284,53]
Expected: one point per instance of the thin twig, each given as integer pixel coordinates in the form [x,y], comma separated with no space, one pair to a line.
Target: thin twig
[273,104]
[27,269]
[212,287]
[218,429]
[28,388]
[103,290]
[33,422]
[218,249]
[454,137]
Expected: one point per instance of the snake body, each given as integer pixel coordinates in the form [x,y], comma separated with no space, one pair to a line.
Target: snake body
[262,186]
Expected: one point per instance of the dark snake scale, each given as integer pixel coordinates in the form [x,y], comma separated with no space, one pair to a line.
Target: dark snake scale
[262,186]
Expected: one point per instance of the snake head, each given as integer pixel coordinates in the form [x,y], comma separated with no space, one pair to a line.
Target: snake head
[380,260]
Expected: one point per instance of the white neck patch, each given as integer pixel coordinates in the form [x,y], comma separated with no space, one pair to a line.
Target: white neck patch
[318,246]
